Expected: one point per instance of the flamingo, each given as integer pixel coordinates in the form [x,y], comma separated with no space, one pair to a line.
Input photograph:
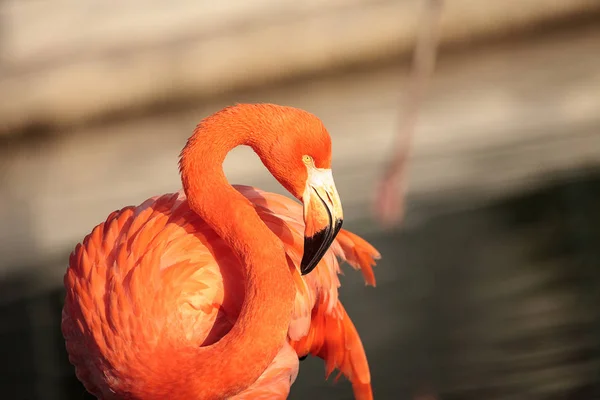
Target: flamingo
[217,291]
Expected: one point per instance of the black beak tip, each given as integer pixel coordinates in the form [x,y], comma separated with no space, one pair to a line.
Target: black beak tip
[315,247]
[307,265]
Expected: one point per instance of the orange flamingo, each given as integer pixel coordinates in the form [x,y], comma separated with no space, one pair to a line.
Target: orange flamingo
[206,293]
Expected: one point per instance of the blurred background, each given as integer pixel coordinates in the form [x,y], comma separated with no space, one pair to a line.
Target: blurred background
[487,289]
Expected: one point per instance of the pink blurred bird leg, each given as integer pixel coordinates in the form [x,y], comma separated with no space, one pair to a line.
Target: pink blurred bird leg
[389,202]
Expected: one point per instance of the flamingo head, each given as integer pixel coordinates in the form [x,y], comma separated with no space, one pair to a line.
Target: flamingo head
[300,159]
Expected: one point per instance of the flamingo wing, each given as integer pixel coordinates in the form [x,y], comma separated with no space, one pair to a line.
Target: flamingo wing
[320,325]
[147,276]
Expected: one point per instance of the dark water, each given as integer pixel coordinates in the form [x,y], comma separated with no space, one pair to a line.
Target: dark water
[498,302]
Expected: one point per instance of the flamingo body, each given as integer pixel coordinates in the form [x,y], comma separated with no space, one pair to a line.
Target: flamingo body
[156,272]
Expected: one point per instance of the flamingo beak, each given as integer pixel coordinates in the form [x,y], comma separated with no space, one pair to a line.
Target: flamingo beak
[323,217]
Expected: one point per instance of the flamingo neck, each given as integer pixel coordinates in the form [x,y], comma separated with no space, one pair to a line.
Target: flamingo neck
[240,357]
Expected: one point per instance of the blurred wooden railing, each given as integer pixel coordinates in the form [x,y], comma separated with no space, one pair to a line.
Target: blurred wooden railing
[64,62]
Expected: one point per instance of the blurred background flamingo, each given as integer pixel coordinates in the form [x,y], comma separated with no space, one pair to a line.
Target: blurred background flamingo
[489,286]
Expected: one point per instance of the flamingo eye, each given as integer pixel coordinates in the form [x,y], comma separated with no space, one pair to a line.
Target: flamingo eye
[308,160]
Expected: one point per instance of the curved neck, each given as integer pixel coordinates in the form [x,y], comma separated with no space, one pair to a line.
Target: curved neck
[240,357]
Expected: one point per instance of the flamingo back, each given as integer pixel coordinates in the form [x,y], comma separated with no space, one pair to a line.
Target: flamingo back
[153,274]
